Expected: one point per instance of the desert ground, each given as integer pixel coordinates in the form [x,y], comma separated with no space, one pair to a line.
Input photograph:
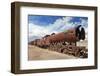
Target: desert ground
[36,53]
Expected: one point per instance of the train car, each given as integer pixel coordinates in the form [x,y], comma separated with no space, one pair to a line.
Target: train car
[57,42]
[70,36]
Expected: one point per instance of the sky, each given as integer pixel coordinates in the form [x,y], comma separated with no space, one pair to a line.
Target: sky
[41,25]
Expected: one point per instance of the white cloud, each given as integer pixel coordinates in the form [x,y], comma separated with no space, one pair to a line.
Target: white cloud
[35,30]
[61,24]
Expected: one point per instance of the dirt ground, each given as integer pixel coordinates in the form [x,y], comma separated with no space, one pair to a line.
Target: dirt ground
[36,53]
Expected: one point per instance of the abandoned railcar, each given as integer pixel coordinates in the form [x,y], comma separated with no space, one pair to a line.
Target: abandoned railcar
[64,42]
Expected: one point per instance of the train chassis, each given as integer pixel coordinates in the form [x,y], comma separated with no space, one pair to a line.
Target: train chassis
[68,48]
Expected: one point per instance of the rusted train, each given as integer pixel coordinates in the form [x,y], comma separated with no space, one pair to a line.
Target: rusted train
[64,42]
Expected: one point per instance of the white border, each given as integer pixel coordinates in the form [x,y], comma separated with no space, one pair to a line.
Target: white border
[25,64]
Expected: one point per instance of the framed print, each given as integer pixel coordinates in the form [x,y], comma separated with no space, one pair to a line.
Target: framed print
[52,37]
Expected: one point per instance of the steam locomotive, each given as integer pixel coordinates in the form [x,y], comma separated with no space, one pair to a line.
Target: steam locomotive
[66,40]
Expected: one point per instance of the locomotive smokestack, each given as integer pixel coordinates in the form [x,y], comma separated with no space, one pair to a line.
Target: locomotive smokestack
[80,33]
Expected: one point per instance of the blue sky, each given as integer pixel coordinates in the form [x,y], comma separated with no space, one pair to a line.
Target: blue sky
[43,20]
[41,25]
[46,20]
